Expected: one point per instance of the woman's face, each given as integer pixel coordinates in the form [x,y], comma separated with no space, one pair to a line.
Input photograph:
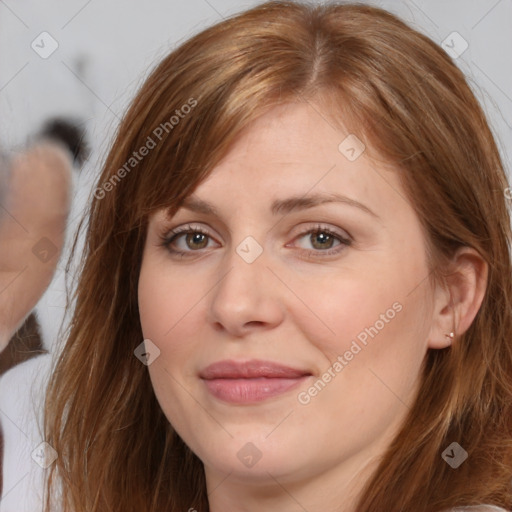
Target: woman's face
[308,257]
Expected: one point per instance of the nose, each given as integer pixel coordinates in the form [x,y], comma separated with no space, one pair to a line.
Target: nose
[247,297]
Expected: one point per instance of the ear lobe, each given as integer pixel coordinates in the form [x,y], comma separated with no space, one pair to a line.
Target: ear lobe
[457,304]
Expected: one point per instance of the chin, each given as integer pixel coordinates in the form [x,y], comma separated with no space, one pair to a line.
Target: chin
[257,460]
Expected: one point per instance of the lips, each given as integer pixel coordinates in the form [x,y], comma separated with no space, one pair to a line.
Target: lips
[251,381]
[250,370]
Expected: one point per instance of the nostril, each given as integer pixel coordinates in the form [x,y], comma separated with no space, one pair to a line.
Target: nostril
[254,322]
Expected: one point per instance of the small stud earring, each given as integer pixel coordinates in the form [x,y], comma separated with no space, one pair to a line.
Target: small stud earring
[451,335]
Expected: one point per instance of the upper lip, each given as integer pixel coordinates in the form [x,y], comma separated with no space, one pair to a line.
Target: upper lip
[250,369]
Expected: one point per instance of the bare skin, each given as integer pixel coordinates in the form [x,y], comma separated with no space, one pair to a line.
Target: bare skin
[301,303]
[32,229]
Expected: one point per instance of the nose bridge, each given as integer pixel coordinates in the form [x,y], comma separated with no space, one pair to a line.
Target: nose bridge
[242,295]
[245,266]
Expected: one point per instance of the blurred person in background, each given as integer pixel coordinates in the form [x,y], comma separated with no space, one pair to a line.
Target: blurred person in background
[35,201]
[32,229]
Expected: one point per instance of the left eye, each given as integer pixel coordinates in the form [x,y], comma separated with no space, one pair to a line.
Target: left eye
[322,239]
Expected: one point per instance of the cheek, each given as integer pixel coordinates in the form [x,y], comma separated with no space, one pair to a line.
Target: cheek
[167,309]
[337,309]
[172,308]
[375,315]
[165,301]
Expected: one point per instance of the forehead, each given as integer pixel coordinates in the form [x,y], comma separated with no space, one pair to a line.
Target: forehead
[295,150]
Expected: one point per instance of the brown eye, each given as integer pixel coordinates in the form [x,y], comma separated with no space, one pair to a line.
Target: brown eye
[186,240]
[196,240]
[322,240]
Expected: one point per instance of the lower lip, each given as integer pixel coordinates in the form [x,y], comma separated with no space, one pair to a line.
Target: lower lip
[243,391]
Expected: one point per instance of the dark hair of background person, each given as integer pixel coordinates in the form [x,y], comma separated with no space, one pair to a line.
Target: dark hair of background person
[69,132]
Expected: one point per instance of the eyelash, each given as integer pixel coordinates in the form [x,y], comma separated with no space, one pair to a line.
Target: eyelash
[167,238]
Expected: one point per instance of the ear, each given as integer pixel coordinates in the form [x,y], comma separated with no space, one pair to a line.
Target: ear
[457,303]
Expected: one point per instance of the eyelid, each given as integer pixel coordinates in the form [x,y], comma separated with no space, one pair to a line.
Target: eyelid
[320,226]
[166,233]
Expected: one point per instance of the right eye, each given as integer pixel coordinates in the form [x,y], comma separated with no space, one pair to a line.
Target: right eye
[185,240]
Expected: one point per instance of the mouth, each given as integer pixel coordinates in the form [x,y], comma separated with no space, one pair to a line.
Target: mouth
[252,381]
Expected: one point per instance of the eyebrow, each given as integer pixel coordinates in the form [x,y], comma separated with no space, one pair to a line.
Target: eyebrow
[282,206]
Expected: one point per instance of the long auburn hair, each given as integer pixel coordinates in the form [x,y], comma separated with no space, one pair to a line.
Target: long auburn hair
[409,103]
